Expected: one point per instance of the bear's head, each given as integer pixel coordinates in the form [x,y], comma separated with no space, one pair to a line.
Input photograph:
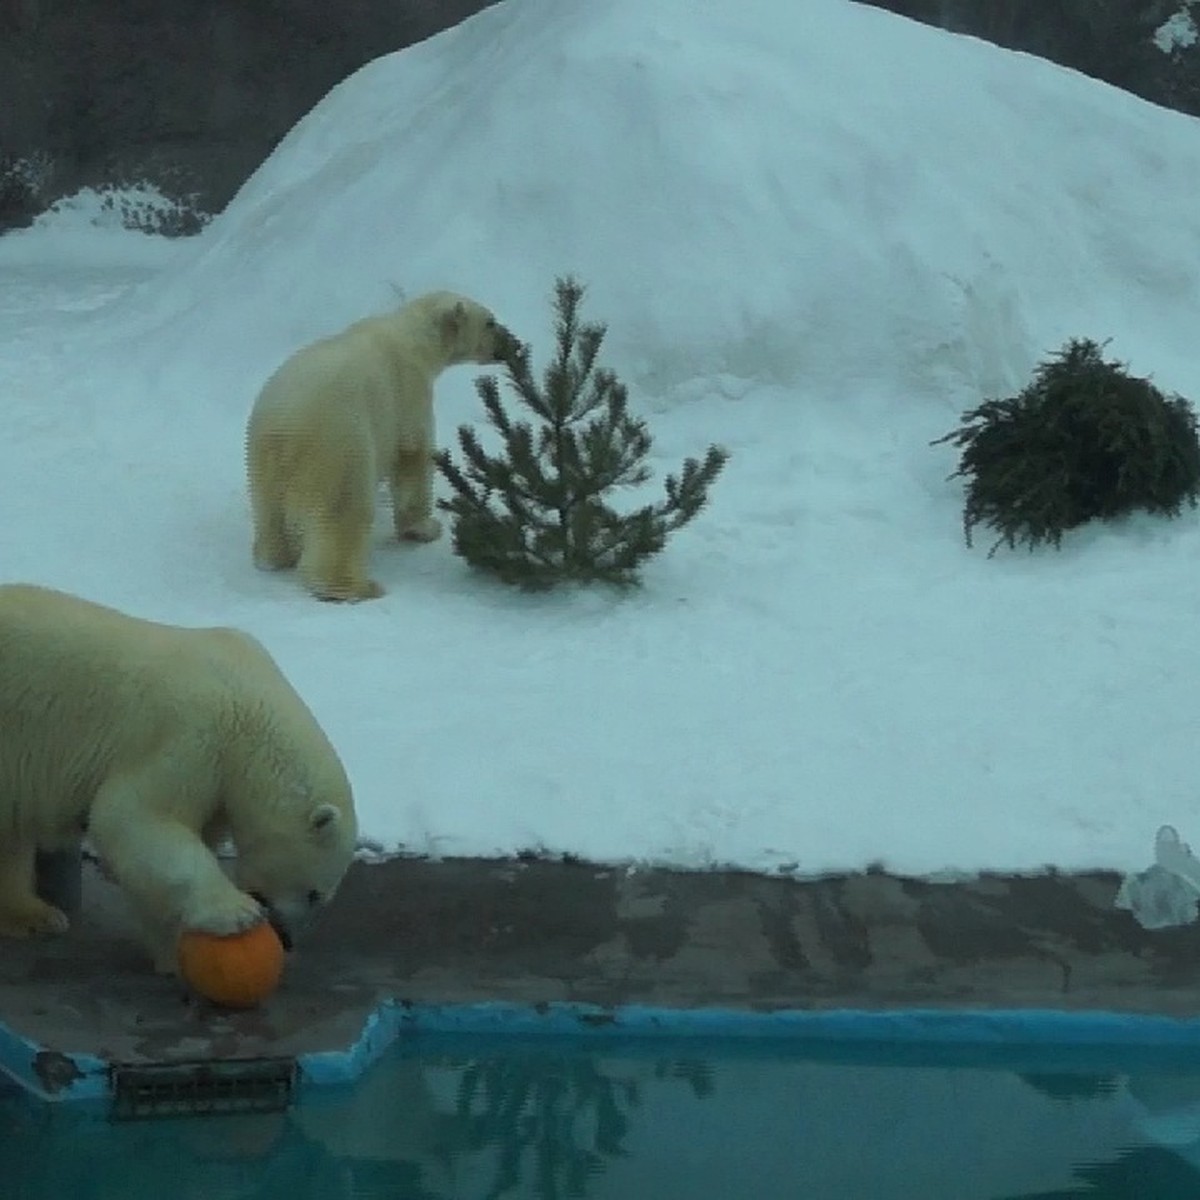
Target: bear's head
[469,332]
[294,867]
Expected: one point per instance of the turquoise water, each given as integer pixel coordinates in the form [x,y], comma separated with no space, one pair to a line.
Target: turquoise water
[468,1119]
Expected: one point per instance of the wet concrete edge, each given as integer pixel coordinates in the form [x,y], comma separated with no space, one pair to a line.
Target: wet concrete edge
[541,947]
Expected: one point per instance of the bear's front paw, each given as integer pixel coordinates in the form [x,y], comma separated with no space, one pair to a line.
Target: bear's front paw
[428,529]
[228,915]
[32,917]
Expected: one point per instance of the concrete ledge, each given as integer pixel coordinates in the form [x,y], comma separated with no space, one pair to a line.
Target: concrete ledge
[543,949]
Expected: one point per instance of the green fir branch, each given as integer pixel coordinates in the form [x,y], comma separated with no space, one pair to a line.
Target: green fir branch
[536,515]
[1084,440]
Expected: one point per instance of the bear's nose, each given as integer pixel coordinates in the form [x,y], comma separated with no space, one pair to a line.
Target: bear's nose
[281,930]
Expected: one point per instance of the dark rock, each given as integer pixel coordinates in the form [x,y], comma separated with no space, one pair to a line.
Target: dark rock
[190,97]
[1110,40]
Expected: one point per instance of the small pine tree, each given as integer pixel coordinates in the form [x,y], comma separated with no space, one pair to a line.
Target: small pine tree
[1083,440]
[537,516]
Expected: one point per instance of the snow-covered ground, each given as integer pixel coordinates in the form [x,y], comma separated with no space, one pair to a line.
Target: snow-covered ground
[817,233]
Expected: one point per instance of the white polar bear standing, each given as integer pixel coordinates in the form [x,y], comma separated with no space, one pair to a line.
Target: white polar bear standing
[157,742]
[343,415]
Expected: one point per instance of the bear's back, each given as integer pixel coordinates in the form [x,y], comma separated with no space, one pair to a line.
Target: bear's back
[83,686]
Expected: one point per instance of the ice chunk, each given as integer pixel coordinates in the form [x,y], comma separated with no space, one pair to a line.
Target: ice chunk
[1175,856]
[1165,894]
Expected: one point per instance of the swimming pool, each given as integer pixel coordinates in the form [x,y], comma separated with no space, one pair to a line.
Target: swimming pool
[471,1118]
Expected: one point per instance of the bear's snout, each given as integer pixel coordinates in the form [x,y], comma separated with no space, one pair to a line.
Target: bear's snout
[505,346]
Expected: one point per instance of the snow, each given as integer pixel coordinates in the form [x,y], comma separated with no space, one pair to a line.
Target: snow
[1178,31]
[817,233]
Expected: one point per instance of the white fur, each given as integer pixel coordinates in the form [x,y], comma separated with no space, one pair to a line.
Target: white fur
[345,414]
[160,741]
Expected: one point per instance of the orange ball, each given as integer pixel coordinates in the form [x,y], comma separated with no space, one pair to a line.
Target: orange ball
[238,971]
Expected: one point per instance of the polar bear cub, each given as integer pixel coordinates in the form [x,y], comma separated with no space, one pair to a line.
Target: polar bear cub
[343,415]
[157,742]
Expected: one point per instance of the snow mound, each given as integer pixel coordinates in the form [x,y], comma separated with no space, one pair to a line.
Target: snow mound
[814,231]
[784,191]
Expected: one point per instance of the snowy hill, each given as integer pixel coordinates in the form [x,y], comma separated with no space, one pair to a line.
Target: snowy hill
[811,193]
[816,232]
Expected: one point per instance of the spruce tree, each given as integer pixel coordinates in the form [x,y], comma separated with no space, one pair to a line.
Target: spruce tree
[536,515]
[1085,439]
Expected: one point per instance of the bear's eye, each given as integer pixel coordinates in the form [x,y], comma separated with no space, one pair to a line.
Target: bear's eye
[314,898]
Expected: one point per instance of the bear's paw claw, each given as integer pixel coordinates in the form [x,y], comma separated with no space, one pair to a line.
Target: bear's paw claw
[348,593]
[225,917]
[427,530]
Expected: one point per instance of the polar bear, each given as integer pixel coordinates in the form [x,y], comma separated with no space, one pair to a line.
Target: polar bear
[345,414]
[157,742]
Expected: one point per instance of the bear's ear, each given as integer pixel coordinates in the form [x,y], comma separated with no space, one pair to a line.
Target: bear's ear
[452,322]
[323,820]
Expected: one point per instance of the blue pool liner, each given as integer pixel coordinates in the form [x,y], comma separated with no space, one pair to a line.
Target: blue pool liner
[930,1036]
[51,1075]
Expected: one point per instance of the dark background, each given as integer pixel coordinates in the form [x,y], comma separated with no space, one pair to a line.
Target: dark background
[192,95]
[1107,39]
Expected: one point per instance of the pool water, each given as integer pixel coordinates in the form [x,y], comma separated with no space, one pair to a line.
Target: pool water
[465,1119]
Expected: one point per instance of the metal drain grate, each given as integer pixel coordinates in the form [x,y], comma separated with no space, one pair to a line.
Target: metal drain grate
[212,1087]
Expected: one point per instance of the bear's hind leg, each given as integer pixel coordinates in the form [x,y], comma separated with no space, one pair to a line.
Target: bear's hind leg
[412,497]
[334,561]
[22,913]
[274,547]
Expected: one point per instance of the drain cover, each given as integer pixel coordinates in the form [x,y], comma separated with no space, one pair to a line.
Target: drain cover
[211,1087]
